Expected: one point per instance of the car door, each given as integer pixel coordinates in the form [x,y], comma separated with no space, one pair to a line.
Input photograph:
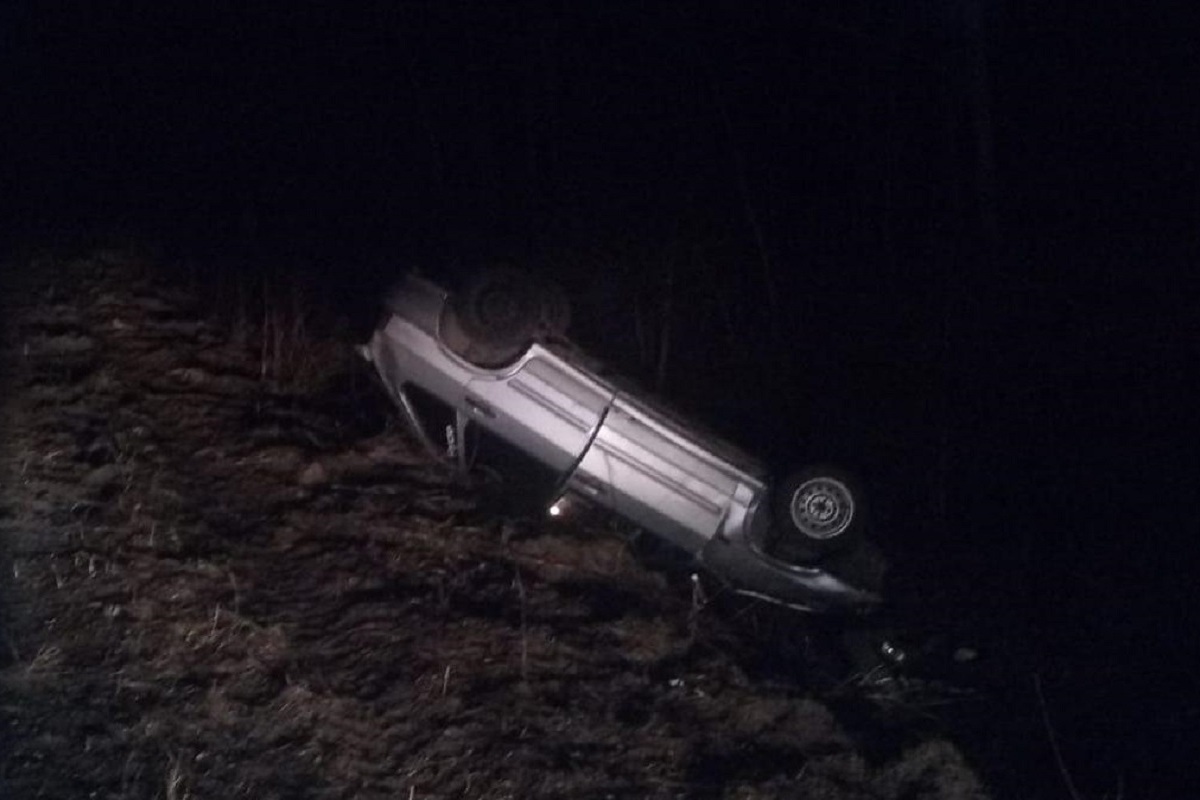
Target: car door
[545,406]
[656,472]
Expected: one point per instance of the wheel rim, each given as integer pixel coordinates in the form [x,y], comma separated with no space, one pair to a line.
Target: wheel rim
[822,508]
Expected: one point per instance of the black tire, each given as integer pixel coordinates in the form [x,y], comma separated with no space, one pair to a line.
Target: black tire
[817,511]
[500,312]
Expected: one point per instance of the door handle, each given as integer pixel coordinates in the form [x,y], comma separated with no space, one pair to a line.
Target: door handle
[589,485]
[480,408]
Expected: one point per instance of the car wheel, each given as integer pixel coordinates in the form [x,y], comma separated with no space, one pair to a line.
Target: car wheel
[499,311]
[817,511]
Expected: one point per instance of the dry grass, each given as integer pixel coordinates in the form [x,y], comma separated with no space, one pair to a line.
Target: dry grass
[282,319]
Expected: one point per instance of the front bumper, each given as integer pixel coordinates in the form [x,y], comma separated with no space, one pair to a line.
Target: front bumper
[752,573]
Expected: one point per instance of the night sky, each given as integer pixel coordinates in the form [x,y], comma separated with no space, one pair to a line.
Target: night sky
[953,244]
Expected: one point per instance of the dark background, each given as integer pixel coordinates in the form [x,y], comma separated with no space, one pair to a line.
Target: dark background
[952,244]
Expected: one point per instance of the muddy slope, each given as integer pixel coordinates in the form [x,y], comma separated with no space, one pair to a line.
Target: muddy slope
[215,587]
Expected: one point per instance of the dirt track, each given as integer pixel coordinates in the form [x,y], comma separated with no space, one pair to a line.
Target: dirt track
[217,588]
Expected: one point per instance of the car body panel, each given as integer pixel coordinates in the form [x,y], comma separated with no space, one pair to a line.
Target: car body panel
[658,478]
[608,442]
[543,405]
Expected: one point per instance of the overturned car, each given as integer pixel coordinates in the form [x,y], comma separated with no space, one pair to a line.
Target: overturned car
[496,353]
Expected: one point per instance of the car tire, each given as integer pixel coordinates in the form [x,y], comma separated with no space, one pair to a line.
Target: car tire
[500,311]
[817,511]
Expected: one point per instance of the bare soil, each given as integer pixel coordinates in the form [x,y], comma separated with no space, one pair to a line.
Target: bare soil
[217,587]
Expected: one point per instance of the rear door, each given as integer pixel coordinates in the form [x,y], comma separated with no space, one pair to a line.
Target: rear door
[544,405]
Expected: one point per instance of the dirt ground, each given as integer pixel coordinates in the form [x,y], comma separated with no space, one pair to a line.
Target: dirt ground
[215,587]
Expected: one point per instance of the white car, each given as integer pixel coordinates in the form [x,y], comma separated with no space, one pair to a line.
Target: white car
[496,354]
